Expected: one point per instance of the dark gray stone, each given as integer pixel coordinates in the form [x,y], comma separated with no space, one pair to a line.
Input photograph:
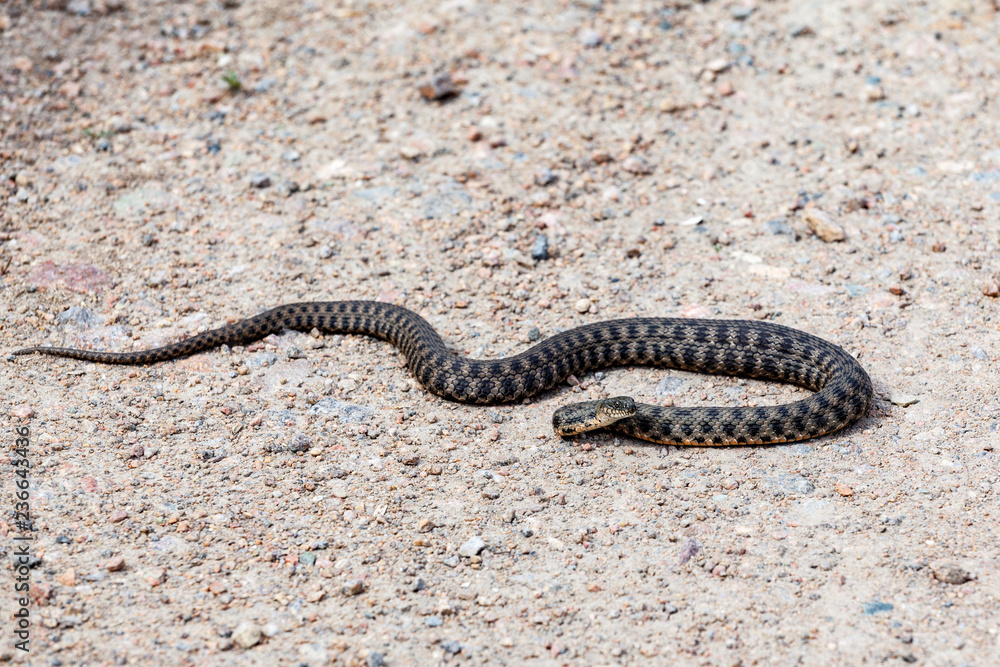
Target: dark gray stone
[540,248]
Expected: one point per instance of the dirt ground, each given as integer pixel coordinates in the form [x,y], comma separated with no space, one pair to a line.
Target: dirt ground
[168,167]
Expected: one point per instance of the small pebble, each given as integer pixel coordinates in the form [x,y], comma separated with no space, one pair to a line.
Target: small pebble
[876,607]
[438,87]
[472,547]
[582,306]
[78,7]
[823,226]
[288,188]
[540,248]
[779,226]
[950,572]
[155,577]
[22,412]
[689,550]
[717,66]
[903,400]
[260,181]
[544,176]
[246,635]
[636,165]
[411,151]
[353,587]
[873,93]
[591,39]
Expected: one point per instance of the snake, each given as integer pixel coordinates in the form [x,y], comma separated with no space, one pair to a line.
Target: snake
[750,348]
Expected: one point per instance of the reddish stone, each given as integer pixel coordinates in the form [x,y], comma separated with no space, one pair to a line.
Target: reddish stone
[74,277]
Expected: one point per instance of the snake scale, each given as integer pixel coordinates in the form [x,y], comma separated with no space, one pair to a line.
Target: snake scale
[763,350]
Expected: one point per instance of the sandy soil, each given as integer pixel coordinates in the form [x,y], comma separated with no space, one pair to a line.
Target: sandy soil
[169,167]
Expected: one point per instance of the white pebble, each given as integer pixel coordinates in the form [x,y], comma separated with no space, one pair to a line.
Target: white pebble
[903,399]
[472,547]
[246,635]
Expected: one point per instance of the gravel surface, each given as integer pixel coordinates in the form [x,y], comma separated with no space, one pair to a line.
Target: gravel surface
[508,171]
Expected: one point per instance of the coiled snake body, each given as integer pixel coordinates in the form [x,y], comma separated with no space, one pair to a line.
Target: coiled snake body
[731,347]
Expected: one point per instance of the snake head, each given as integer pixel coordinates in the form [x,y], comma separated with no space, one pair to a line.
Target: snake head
[579,418]
[611,410]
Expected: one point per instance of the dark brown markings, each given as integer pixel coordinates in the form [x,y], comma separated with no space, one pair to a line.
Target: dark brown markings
[759,349]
